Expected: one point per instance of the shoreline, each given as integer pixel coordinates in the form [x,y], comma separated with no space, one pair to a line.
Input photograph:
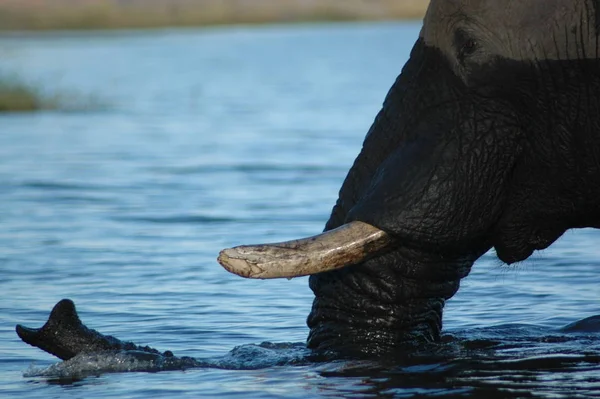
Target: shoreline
[111,15]
[49,34]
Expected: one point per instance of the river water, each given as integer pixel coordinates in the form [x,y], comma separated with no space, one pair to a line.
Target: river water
[205,139]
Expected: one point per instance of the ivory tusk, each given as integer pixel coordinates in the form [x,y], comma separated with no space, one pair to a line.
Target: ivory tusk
[347,245]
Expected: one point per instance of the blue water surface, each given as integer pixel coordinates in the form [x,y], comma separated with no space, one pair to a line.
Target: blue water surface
[197,140]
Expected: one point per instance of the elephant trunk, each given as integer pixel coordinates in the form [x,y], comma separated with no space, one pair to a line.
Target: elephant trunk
[383,305]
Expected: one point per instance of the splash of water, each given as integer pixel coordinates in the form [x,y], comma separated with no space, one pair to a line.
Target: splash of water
[245,357]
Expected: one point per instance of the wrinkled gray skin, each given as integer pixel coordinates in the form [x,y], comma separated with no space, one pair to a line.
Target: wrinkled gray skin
[489,138]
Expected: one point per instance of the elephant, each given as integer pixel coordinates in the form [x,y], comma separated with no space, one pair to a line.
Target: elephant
[488,139]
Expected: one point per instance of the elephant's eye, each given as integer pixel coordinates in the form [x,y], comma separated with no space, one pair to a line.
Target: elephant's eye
[469,47]
[464,44]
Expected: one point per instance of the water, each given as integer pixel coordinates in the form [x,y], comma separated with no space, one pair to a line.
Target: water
[215,138]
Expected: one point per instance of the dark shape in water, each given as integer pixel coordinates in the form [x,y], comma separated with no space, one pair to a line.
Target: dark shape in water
[65,336]
[587,325]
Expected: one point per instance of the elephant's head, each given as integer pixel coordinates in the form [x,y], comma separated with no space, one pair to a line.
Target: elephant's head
[489,138]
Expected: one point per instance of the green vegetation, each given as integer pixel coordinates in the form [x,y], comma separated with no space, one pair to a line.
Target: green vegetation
[120,14]
[17,96]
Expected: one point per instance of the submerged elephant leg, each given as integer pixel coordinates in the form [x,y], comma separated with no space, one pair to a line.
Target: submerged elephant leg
[65,336]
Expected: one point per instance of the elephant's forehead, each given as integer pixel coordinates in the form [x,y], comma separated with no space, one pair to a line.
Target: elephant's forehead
[519,29]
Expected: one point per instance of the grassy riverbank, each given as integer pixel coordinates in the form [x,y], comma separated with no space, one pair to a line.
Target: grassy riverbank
[123,14]
[17,96]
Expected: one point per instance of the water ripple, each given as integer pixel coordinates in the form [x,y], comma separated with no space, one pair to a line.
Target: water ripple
[177,219]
